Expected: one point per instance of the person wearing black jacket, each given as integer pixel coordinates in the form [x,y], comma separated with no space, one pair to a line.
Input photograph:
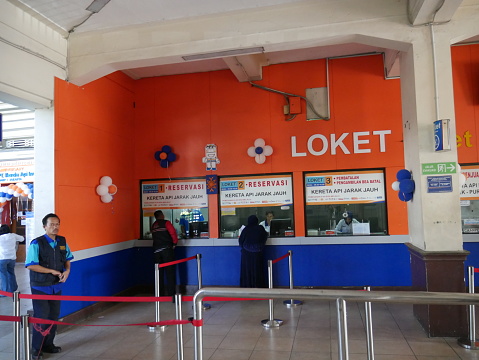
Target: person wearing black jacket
[252,241]
[164,243]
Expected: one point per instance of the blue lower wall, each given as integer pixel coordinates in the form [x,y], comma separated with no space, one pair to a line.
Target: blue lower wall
[313,265]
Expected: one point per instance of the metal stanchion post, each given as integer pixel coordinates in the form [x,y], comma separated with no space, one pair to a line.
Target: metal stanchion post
[291,303]
[200,279]
[471,343]
[343,350]
[26,337]
[157,294]
[179,327]
[198,315]
[271,322]
[369,326]
[16,324]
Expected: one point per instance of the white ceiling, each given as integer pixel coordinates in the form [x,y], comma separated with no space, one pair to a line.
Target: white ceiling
[71,15]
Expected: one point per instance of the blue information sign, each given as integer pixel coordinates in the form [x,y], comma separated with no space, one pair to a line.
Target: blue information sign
[439,184]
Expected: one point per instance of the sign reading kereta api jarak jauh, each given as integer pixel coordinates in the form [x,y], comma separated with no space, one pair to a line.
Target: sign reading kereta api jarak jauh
[345,187]
[271,190]
[470,189]
[16,171]
[175,194]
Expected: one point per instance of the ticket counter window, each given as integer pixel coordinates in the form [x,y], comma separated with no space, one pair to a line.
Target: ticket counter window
[188,223]
[277,220]
[269,197]
[470,199]
[345,203]
[326,220]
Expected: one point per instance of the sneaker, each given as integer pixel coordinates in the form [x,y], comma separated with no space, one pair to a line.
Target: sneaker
[52,349]
[37,355]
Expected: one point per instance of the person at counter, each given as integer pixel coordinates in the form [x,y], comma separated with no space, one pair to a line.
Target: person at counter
[267,222]
[252,242]
[345,226]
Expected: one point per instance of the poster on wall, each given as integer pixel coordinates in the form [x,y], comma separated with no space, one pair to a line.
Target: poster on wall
[174,194]
[358,187]
[470,189]
[271,190]
[17,171]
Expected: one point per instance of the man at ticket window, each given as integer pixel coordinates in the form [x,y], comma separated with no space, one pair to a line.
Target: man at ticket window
[345,226]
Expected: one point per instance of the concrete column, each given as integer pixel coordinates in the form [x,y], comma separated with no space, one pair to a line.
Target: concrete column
[437,256]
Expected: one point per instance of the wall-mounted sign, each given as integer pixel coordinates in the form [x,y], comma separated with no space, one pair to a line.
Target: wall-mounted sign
[442,135]
[344,187]
[438,168]
[17,171]
[174,194]
[439,184]
[470,190]
[256,191]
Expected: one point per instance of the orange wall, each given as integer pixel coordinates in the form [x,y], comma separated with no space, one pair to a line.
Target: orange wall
[93,127]
[99,132]
[189,111]
[466,98]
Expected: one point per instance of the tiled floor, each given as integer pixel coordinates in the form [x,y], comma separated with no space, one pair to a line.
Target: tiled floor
[233,331]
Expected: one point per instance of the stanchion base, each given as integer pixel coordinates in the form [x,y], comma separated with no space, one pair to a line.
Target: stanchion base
[468,344]
[267,323]
[292,303]
[154,328]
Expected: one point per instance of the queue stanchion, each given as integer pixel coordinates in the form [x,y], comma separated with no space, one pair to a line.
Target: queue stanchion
[16,324]
[343,350]
[369,326]
[179,328]
[26,337]
[157,294]
[471,343]
[291,302]
[271,322]
[200,279]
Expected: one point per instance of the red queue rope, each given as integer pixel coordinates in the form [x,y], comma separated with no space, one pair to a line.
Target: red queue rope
[177,261]
[281,258]
[34,320]
[476,270]
[4,293]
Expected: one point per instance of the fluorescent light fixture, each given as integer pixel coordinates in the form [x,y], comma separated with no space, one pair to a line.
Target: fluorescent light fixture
[220,54]
[97,5]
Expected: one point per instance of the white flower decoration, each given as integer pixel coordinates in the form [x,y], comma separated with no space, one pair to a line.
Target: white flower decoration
[259,151]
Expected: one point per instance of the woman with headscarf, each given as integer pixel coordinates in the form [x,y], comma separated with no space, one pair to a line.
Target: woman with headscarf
[252,241]
[8,255]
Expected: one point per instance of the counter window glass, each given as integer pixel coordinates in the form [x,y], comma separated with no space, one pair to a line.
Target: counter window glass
[270,198]
[183,202]
[345,203]
[470,199]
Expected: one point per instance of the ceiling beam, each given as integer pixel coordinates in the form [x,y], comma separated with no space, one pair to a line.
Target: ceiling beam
[247,67]
[422,12]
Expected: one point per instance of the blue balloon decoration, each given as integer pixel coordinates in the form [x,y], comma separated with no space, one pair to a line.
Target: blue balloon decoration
[404,196]
[9,196]
[166,148]
[403,174]
[259,150]
[157,155]
[406,186]
[164,163]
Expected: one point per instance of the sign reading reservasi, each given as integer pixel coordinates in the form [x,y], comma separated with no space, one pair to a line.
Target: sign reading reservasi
[175,194]
[243,191]
[345,187]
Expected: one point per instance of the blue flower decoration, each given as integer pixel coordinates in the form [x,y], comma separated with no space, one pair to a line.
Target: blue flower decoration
[165,156]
